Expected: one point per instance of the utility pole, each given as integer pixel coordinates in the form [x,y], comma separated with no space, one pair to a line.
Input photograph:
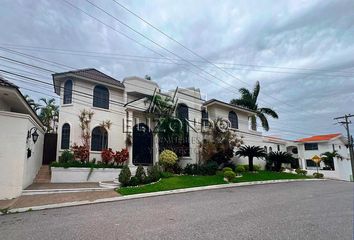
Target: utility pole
[346,123]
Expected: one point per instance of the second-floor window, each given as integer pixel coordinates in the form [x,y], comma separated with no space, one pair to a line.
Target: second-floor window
[311,146]
[68,92]
[233,119]
[101,97]
[205,117]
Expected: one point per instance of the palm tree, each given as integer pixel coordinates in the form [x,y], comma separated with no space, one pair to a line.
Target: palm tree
[328,158]
[251,152]
[249,100]
[275,159]
[49,112]
[35,106]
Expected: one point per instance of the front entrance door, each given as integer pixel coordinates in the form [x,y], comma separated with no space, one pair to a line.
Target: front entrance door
[142,145]
[49,148]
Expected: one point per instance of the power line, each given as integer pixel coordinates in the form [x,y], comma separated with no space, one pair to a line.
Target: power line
[112,55]
[33,66]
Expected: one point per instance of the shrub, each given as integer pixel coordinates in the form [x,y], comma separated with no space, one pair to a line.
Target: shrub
[81,153]
[318,175]
[166,174]
[229,175]
[168,158]
[154,173]
[140,174]
[134,181]
[107,155]
[256,167]
[227,169]
[124,176]
[240,169]
[301,171]
[66,156]
[209,168]
[219,173]
[230,164]
[121,157]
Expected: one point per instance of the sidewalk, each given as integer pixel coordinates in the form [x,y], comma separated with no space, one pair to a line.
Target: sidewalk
[47,198]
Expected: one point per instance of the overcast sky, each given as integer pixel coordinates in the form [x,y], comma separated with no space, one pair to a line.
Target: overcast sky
[302,52]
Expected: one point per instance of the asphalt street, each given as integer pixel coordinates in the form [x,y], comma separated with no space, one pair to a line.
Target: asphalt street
[297,210]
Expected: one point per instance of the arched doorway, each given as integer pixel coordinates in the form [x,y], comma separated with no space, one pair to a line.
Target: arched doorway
[142,145]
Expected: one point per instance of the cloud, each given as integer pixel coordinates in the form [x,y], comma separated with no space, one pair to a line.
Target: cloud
[290,36]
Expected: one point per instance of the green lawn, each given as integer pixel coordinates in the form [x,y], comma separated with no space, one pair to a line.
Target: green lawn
[175,182]
[178,182]
[266,175]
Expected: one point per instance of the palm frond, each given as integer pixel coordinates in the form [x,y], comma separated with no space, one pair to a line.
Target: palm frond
[264,121]
[256,90]
[269,112]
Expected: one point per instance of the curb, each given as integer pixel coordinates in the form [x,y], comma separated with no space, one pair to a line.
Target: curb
[63,190]
[153,194]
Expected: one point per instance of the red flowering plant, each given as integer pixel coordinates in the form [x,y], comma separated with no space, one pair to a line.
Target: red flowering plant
[107,155]
[121,156]
[81,152]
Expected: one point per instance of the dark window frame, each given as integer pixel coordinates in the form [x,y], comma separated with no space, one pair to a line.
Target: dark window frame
[65,136]
[100,97]
[311,146]
[310,163]
[99,139]
[68,92]
[233,118]
[182,113]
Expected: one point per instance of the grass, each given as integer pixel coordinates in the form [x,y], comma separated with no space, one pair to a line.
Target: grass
[266,175]
[186,181]
[176,182]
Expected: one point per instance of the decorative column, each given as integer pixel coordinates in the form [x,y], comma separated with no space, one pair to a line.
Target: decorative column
[155,145]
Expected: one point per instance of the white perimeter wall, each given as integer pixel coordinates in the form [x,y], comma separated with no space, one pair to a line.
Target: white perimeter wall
[17,172]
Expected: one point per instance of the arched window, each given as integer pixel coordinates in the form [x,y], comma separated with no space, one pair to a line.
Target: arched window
[233,119]
[99,139]
[205,117]
[265,149]
[183,115]
[65,136]
[68,92]
[101,97]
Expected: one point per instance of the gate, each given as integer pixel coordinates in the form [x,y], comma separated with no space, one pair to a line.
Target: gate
[50,148]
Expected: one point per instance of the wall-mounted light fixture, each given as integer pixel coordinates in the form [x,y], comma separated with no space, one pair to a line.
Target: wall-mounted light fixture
[35,135]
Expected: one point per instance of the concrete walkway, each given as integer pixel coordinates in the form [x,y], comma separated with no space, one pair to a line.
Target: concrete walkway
[56,198]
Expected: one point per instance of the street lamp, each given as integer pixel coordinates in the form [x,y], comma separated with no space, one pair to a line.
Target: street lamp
[35,135]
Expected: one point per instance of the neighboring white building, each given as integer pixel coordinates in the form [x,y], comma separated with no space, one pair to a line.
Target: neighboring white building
[21,153]
[317,145]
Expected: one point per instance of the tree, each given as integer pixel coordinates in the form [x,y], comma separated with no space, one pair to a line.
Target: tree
[251,152]
[249,100]
[218,145]
[275,159]
[35,106]
[328,158]
[49,113]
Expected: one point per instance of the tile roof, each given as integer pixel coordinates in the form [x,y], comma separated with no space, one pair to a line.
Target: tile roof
[93,74]
[319,138]
[5,83]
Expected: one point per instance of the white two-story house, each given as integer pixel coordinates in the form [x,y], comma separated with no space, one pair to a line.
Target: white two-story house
[125,105]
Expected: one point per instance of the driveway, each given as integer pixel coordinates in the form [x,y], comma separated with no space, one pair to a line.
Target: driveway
[297,210]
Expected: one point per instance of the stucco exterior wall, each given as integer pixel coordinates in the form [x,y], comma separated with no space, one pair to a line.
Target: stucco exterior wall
[17,172]
[69,113]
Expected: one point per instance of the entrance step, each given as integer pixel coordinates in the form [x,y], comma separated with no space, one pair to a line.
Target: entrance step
[43,175]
